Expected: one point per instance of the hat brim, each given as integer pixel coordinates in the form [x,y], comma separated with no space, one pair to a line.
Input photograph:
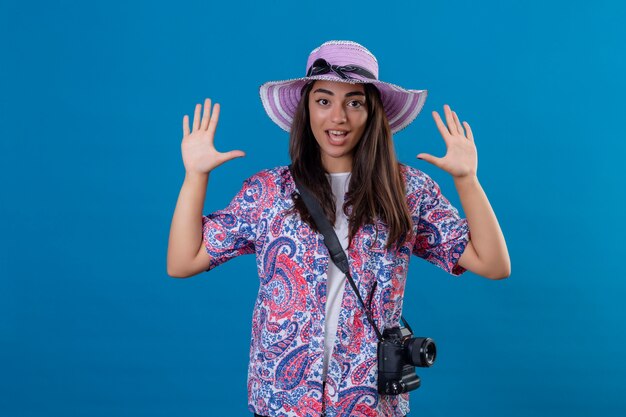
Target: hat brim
[280,100]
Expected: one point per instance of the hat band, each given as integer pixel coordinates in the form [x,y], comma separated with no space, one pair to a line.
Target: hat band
[321,66]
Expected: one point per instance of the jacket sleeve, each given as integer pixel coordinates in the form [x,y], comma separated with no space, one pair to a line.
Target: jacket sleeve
[442,234]
[231,232]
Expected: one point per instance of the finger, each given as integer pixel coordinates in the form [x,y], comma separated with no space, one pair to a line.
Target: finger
[457,122]
[185,125]
[196,117]
[470,135]
[441,126]
[450,119]
[233,154]
[205,115]
[430,158]
[215,116]
[227,156]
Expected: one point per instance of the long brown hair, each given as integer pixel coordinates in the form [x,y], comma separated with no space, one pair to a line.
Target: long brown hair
[376,187]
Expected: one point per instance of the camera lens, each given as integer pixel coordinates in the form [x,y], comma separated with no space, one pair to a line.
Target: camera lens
[421,351]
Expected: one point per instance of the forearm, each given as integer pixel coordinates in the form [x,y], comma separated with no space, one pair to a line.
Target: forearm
[186,229]
[486,235]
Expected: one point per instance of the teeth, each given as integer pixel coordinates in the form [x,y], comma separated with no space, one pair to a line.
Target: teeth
[336,132]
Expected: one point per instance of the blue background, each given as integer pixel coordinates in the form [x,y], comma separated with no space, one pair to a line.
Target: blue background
[92,102]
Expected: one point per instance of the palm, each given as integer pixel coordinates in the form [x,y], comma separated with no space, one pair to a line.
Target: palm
[461,157]
[197,147]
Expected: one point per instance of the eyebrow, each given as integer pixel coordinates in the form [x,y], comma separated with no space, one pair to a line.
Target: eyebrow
[350,94]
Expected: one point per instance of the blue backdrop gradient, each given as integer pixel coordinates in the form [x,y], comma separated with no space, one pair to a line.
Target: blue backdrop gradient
[92,97]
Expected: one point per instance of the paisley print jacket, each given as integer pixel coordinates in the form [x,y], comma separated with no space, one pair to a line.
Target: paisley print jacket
[287,343]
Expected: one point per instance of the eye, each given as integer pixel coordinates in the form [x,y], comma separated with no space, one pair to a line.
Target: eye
[322,101]
[356,104]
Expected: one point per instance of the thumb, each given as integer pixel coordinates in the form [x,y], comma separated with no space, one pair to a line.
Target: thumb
[429,158]
[227,156]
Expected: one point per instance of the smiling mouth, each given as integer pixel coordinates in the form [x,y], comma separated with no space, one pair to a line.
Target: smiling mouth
[337,137]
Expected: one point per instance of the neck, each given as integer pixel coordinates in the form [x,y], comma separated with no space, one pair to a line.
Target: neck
[337,165]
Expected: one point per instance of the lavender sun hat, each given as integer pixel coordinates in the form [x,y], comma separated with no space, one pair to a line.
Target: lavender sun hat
[343,61]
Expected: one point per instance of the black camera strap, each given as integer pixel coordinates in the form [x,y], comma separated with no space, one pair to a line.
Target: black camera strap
[332,243]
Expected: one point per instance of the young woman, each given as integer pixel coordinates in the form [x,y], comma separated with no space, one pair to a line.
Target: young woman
[313,351]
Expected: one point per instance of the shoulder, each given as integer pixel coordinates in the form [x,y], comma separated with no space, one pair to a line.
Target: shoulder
[415,180]
[275,182]
[273,173]
[278,175]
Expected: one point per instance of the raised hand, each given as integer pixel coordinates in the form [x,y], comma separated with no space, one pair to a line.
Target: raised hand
[198,149]
[461,157]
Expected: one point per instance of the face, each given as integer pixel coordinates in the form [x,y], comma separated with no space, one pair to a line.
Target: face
[338,114]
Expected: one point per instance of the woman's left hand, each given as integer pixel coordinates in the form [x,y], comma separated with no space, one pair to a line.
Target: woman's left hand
[461,157]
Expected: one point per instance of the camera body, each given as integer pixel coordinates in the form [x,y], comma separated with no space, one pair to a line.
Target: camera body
[398,355]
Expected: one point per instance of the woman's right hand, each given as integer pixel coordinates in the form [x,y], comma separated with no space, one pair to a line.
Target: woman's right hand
[198,149]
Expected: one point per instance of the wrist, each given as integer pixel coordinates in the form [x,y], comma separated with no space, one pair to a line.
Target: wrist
[466,180]
[196,176]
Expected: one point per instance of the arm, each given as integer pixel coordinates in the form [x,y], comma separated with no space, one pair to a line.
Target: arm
[486,254]
[186,255]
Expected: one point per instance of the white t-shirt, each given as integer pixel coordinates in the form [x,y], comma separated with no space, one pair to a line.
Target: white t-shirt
[336,279]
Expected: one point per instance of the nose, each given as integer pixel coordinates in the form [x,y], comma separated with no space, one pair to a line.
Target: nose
[338,114]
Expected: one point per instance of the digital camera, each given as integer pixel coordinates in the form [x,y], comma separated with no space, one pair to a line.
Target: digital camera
[398,355]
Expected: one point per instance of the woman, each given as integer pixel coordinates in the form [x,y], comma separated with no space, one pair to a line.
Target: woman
[313,351]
